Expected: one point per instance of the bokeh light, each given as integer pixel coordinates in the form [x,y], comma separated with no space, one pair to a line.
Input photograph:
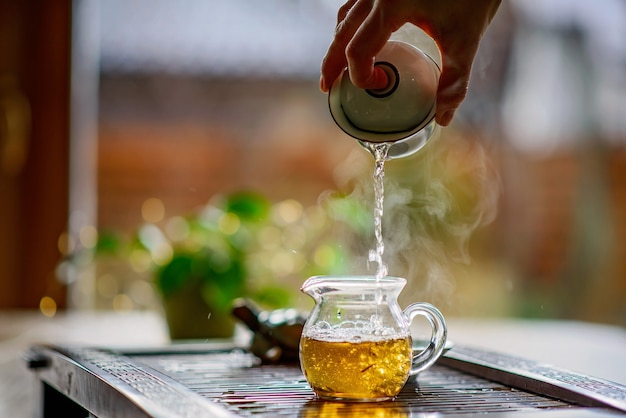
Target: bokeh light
[142,293]
[325,256]
[88,236]
[177,228]
[153,210]
[48,306]
[65,244]
[229,223]
[140,260]
[315,217]
[282,263]
[269,237]
[287,212]
[162,253]
[122,303]
[295,237]
[107,286]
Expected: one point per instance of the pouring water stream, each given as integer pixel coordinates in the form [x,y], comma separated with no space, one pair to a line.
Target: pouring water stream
[380,151]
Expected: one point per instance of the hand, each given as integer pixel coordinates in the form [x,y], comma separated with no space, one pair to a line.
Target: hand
[364,26]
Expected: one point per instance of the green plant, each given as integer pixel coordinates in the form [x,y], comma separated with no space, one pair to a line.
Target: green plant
[209,251]
[238,245]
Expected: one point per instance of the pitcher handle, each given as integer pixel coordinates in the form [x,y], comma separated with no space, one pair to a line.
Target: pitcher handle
[426,358]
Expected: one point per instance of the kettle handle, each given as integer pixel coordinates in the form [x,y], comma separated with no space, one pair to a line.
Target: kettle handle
[427,357]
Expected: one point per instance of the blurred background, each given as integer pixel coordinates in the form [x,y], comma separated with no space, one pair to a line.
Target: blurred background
[138,137]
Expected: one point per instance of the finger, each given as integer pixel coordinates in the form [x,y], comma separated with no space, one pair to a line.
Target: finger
[368,40]
[350,16]
[343,10]
[452,90]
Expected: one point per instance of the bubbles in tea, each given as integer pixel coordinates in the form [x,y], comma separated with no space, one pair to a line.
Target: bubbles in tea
[375,368]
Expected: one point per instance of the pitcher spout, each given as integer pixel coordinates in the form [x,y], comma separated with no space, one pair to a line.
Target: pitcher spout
[313,287]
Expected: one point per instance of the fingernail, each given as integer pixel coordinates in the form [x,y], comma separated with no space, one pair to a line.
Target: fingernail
[323,86]
[446,118]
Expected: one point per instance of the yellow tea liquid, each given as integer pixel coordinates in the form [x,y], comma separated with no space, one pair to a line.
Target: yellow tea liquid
[364,370]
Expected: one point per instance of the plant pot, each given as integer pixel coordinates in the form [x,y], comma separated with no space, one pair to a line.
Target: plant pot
[189,317]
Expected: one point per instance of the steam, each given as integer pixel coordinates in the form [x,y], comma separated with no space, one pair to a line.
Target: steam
[434,202]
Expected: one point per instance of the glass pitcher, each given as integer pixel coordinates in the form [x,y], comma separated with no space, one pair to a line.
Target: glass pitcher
[356,344]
